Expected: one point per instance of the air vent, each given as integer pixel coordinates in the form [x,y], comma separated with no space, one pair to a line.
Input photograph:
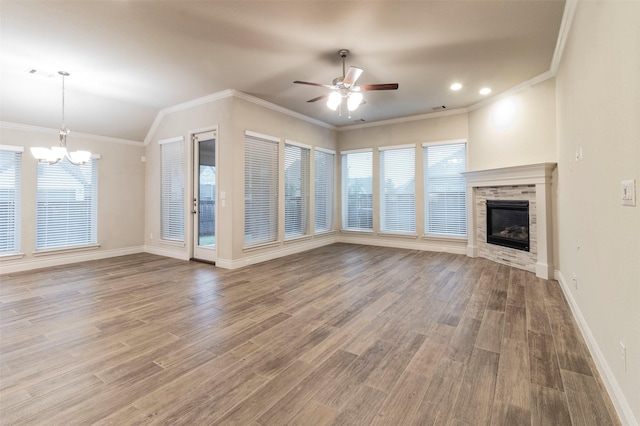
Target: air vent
[40,73]
[362,120]
[438,108]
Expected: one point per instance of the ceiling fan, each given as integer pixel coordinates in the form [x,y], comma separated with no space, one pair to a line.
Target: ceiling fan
[345,87]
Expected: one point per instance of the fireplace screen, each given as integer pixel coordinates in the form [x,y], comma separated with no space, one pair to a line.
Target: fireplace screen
[508,223]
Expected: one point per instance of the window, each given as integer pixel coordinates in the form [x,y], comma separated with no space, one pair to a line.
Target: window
[172,189]
[66,205]
[260,188]
[296,190]
[324,172]
[10,199]
[397,189]
[357,191]
[445,204]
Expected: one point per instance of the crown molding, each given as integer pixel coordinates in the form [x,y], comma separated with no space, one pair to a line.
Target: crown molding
[409,118]
[228,93]
[563,34]
[50,131]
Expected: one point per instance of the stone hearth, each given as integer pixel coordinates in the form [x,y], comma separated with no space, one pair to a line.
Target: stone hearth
[531,182]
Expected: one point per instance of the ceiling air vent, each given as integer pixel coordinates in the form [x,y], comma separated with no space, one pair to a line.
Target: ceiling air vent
[40,73]
[438,108]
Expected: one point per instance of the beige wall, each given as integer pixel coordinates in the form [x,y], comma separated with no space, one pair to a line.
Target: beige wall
[598,111]
[120,197]
[233,116]
[516,130]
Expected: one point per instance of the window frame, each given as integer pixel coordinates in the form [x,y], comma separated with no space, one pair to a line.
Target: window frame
[382,195]
[172,203]
[329,196]
[305,187]
[13,244]
[345,194]
[452,236]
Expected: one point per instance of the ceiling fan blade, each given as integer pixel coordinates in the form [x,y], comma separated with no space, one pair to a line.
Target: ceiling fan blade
[314,84]
[388,86]
[319,97]
[352,75]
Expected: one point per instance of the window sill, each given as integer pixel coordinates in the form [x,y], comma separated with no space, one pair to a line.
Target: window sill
[172,243]
[11,256]
[357,231]
[297,238]
[324,234]
[261,246]
[397,234]
[444,237]
[61,250]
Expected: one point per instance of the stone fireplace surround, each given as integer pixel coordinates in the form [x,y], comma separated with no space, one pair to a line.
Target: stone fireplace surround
[529,182]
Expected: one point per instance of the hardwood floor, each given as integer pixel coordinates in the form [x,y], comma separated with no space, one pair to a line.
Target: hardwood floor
[343,335]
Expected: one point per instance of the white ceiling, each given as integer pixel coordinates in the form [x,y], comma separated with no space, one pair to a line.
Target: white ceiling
[130,59]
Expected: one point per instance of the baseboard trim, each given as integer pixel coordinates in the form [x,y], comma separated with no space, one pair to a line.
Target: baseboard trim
[274,254]
[66,258]
[613,388]
[166,252]
[454,247]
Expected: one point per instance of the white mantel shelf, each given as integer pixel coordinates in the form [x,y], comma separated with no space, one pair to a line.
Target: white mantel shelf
[539,175]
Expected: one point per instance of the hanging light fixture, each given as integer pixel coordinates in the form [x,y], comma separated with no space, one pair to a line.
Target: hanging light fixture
[58,153]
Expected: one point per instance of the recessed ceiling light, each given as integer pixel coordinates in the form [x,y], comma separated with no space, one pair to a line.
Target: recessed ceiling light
[485,91]
[456,86]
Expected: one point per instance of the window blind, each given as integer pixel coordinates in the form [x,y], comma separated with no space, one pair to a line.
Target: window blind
[172,190]
[260,189]
[357,191]
[445,189]
[296,190]
[324,178]
[397,190]
[66,205]
[10,199]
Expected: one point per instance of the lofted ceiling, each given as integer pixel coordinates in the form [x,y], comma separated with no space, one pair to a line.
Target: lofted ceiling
[130,59]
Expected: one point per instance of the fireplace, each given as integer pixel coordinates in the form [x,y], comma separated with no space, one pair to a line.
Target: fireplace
[508,223]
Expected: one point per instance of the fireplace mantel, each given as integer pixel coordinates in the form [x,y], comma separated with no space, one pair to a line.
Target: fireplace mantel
[538,175]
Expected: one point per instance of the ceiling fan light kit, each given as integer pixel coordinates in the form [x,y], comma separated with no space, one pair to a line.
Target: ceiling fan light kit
[58,153]
[345,87]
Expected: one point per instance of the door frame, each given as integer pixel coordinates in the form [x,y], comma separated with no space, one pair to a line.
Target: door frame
[194,190]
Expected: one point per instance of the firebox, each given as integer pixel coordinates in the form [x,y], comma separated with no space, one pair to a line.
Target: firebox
[508,223]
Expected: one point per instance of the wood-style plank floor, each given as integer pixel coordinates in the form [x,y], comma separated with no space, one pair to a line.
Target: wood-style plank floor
[344,334]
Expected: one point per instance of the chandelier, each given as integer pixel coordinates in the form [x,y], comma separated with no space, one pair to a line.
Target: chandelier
[59,153]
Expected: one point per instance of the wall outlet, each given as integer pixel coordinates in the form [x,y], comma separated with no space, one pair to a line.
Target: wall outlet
[628,192]
[623,355]
[578,245]
[575,280]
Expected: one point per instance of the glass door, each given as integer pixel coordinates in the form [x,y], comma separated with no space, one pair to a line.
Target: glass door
[204,196]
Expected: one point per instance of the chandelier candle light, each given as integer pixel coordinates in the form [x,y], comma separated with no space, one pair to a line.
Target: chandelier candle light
[58,153]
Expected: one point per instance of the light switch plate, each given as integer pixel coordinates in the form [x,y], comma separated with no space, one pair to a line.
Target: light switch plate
[628,192]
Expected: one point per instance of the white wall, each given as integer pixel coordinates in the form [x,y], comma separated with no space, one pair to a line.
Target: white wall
[516,130]
[598,111]
[120,196]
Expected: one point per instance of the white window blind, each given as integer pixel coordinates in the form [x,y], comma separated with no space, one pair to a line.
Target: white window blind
[10,199]
[445,189]
[357,191]
[397,190]
[172,190]
[66,205]
[296,190]
[324,178]
[260,189]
